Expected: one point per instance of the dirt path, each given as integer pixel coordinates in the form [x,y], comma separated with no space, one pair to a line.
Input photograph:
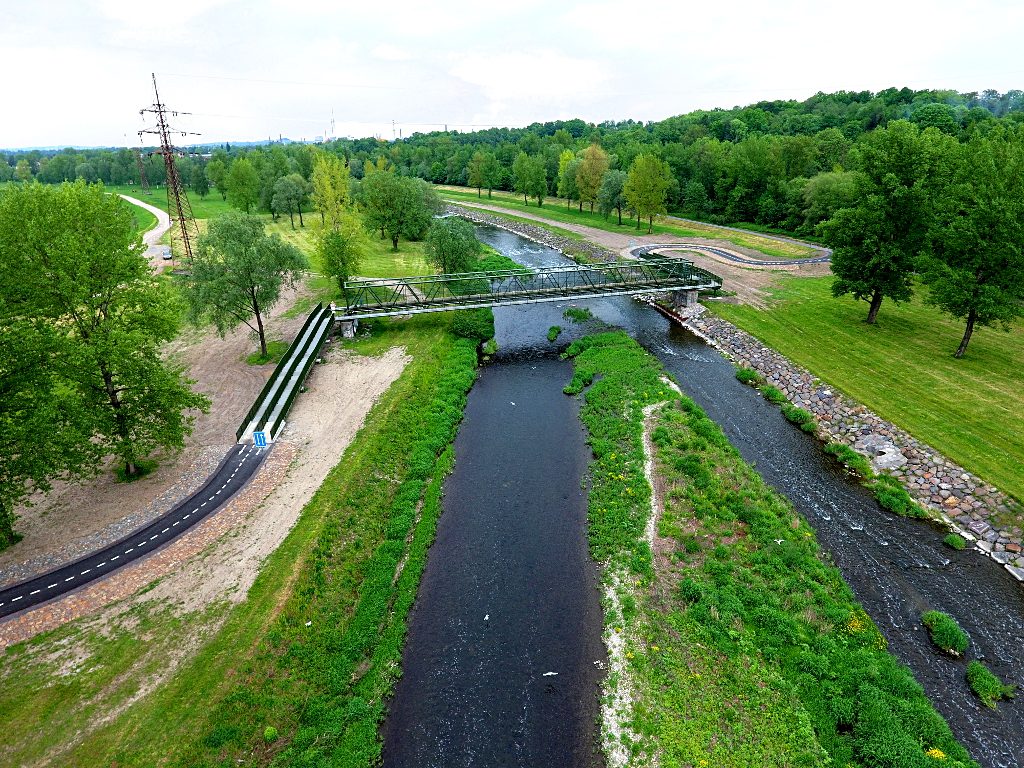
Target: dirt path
[750,284]
[76,518]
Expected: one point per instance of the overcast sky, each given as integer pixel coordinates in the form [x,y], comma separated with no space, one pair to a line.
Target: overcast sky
[76,72]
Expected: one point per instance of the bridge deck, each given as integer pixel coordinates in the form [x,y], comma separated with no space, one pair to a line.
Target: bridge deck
[441,293]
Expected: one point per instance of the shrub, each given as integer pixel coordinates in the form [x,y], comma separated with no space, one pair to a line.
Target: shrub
[476,324]
[800,417]
[553,332]
[850,459]
[749,376]
[270,734]
[577,314]
[773,394]
[945,632]
[891,495]
[956,541]
[986,685]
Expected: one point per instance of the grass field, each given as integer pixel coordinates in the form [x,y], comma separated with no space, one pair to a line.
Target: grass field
[144,220]
[555,210]
[904,370]
[202,208]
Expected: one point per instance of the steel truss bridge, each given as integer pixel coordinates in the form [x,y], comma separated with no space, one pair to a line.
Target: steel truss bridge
[441,293]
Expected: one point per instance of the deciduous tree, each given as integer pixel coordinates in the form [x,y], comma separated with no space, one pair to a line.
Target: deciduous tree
[216,172]
[451,245]
[975,267]
[288,195]
[590,174]
[521,174]
[238,274]
[611,196]
[243,184]
[646,188]
[342,247]
[330,183]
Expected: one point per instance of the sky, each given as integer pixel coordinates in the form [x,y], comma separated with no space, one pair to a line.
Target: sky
[77,72]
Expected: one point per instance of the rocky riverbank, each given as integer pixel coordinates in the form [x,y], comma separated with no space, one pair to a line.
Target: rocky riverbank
[579,250]
[978,511]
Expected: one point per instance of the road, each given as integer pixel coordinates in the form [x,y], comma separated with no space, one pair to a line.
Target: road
[234,471]
[644,250]
[154,252]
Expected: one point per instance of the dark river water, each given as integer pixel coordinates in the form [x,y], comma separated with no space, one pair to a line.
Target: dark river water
[509,594]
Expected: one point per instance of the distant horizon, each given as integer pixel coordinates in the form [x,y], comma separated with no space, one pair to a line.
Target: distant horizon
[457,128]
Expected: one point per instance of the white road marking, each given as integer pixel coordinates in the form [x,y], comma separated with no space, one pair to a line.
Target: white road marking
[51,586]
[85,572]
[175,523]
[102,564]
[69,578]
[16,599]
[153,536]
[116,557]
[165,530]
[129,550]
[34,592]
[202,505]
[186,517]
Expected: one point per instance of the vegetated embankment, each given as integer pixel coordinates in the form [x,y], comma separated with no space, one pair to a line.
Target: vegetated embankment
[732,643]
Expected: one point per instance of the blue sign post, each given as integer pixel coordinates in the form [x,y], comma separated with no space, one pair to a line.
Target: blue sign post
[259,439]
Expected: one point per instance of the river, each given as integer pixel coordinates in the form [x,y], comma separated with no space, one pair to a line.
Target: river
[511,546]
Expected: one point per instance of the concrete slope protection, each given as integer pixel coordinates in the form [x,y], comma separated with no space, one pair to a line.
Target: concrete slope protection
[234,471]
[647,251]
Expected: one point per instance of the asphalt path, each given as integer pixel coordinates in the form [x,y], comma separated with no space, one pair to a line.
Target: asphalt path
[154,251]
[645,250]
[230,477]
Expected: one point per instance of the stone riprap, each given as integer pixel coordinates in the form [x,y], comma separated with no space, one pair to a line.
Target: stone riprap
[978,511]
[574,249]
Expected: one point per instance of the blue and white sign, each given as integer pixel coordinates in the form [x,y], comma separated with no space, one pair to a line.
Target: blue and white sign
[259,439]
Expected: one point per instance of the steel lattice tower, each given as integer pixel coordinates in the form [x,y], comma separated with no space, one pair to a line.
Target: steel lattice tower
[143,181]
[184,231]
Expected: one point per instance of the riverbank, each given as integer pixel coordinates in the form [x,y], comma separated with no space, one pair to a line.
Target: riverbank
[741,646]
[980,512]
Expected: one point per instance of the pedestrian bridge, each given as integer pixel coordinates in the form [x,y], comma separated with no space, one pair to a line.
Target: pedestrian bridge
[493,288]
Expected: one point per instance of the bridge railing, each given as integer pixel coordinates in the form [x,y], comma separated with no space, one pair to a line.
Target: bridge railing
[497,286]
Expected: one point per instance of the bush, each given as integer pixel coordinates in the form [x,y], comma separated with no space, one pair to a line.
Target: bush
[945,632]
[270,734]
[553,332]
[986,685]
[577,314]
[749,376]
[850,459]
[773,394]
[800,417]
[956,541]
[475,324]
[891,495]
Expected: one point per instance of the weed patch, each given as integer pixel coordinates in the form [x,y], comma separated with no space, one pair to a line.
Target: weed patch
[986,685]
[854,462]
[275,351]
[553,332]
[955,541]
[749,376]
[945,632]
[800,417]
[773,394]
[578,314]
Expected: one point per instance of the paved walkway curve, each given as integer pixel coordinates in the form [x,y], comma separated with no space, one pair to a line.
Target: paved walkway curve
[644,250]
[154,252]
[779,238]
[231,476]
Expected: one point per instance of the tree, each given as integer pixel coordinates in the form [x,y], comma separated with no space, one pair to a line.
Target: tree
[80,266]
[492,172]
[567,171]
[590,174]
[975,266]
[288,194]
[477,172]
[877,242]
[330,183]
[238,274]
[611,196]
[521,176]
[198,181]
[23,170]
[216,172]
[536,179]
[342,247]
[398,206]
[451,245]
[646,186]
[243,184]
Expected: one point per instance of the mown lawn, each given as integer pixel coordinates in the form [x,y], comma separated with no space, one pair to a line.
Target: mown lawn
[904,370]
[202,207]
[555,210]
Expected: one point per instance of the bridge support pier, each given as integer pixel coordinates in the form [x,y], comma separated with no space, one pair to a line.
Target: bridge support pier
[686,299]
[348,328]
